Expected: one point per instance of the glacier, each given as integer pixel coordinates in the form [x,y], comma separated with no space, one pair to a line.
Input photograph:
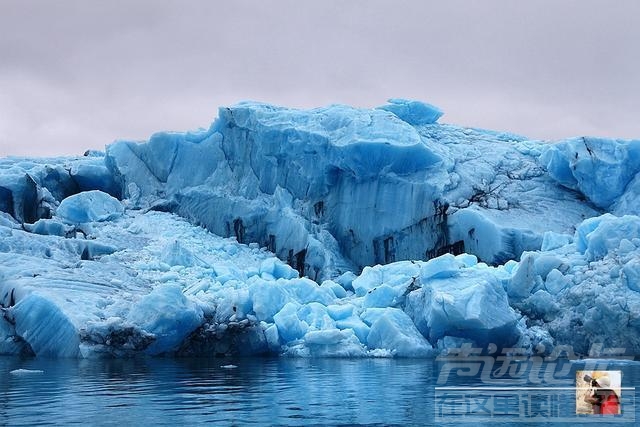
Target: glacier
[330,232]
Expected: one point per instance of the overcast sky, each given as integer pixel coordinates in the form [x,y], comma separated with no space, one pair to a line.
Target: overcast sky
[76,75]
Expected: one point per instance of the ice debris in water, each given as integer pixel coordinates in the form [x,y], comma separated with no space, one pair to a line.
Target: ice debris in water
[19,372]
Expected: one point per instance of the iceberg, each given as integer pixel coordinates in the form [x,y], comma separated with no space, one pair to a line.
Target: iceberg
[469,303]
[89,206]
[413,112]
[591,295]
[600,169]
[330,232]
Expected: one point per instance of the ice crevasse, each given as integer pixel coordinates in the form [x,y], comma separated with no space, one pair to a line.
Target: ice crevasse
[334,231]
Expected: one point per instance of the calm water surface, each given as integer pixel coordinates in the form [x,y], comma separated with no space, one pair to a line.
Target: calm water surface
[270,391]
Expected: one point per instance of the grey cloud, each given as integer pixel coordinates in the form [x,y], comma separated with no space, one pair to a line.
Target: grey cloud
[78,74]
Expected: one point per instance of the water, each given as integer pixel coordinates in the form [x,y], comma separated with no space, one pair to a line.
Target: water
[270,391]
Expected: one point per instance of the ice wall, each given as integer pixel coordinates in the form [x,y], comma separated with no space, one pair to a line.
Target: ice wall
[365,207]
[337,188]
[281,177]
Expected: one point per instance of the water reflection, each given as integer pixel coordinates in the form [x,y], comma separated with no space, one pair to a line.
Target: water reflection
[270,391]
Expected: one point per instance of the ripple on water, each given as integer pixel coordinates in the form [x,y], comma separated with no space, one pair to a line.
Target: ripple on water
[258,392]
